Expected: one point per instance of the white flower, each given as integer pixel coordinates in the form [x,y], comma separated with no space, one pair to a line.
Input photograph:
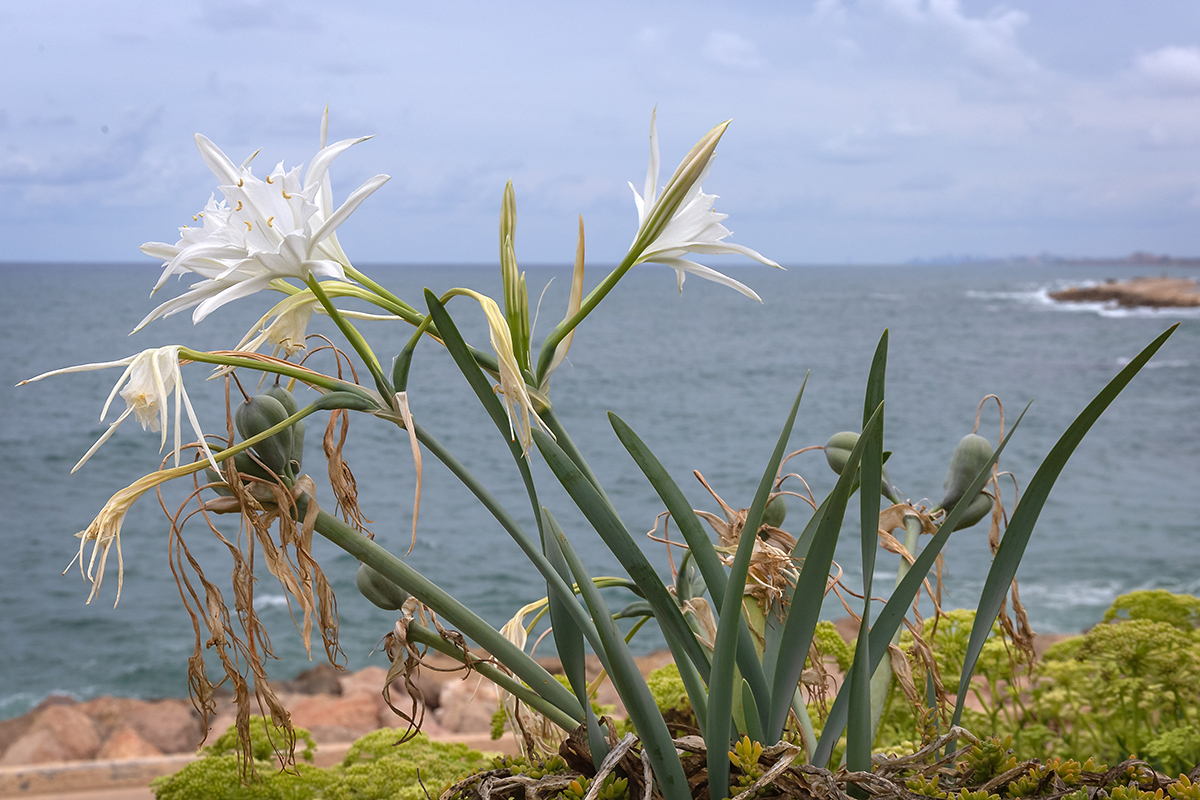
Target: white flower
[146,386]
[267,228]
[681,219]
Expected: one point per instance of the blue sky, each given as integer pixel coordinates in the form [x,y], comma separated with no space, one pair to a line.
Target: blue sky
[869,131]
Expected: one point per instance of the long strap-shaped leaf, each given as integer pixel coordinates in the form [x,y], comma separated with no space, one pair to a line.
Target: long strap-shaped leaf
[859,730]
[1020,527]
[805,607]
[721,680]
[890,618]
[701,550]
[603,517]
[652,729]
[555,581]
[568,637]
[453,611]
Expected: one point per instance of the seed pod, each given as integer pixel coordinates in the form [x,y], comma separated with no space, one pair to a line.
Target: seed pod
[257,415]
[837,453]
[837,449]
[775,512]
[970,455]
[979,508]
[288,401]
[378,589]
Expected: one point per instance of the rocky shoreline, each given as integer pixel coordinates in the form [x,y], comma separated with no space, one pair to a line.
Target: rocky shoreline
[1140,292]
[336,707]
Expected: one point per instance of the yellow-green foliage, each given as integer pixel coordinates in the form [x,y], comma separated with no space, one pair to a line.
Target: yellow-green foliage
[831,643]
[265,740]
[374,767]
[667,688]
[1126,686]
[1157,605]
[967,794]
[1184,789]
[613,788]
[925,787]
[988,759]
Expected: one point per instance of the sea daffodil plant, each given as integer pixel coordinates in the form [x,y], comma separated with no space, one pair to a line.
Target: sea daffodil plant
[740,652]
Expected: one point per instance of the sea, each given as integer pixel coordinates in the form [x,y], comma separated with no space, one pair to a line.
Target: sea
[705,376]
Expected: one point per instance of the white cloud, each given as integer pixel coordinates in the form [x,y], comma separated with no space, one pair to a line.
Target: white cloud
[731,50]
[1170,69]
[989,43]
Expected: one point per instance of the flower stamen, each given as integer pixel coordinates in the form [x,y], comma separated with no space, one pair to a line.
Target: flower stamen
[248,226]
[269,221]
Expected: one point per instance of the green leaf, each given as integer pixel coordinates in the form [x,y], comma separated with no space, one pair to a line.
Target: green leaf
[859,734]
[720,683]
[1020,527]
[656,740]
[604,519]
[805,606]
[700,549]
[568,640]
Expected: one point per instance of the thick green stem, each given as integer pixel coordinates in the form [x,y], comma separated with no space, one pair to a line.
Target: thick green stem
[422,635]
[224,358]
[450,609]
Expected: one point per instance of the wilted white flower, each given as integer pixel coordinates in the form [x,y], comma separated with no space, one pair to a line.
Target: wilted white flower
[681,219]
[146,386]
[280,226]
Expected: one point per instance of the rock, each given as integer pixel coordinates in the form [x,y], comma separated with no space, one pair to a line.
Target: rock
[321,679]
[125,743]
[57,733]
[368,680]
[467,706]
[1142,291]
[13,729]
[172,726]
[333,719]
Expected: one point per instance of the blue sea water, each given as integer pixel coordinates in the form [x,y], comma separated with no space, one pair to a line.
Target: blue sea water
[706,378]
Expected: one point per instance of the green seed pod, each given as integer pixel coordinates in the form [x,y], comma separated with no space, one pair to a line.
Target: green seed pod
[837,453]
[837,449]
[775,512]
[288,401]
[257,415]
[378,589]
[979,508]
[970,455]
[285,397]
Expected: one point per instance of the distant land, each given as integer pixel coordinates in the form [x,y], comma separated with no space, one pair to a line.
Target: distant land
[1139,258]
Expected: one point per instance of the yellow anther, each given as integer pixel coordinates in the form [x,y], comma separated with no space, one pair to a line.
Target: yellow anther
[286,196]
[241,182]
[269,179]
[201,214]
[239,208]
[248,226]
[269,219]
[194,217]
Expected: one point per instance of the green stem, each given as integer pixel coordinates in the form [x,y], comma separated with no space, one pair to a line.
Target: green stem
[422,635]
[586,307]
[355,338]
[409,314]
[275,367]
[532,551]
[453,611]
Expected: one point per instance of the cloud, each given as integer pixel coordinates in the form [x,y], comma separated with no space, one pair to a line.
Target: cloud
[728,49]
[1175,70]
[71,164]
[989,43]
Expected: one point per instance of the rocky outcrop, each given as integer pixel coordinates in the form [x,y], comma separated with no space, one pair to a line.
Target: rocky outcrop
[1136,293]
[336,707]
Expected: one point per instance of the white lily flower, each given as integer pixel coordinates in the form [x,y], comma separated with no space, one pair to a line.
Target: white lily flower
[693,226]
[280,226]
[146,386]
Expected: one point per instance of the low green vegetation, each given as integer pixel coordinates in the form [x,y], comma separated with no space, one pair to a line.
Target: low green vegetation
[375,766]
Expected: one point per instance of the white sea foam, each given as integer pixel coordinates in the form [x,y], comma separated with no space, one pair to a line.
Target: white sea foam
[1040,296]
[270,600]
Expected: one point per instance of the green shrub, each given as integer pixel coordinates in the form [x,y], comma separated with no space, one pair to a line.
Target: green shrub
[375,766]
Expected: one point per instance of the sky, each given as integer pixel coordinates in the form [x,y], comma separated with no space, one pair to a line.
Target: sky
[864,131]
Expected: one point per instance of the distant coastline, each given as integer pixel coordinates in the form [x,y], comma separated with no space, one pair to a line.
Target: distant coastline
[1136,259]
